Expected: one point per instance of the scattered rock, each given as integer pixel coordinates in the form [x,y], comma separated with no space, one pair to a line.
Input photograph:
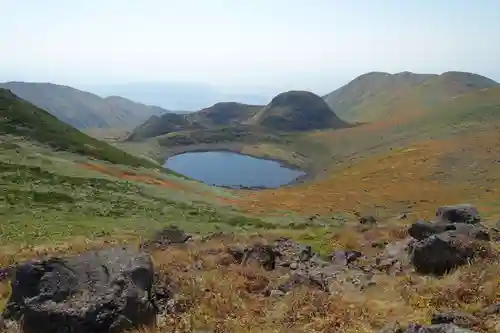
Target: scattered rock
[344,258]
[417,328]
[107,290]
[496,226]
[166,237]
[265,255]
[394,258]
[492,309]
[402,216]
[276,293]
[368,219]
[460,319]
[422,229]
[316,278]
[439,254]
[236,253]
[177,306]
[462,213]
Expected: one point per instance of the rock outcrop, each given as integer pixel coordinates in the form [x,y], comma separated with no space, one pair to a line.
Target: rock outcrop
[461,213]
[299,265]
[454,240]
[107,290]
[165,237]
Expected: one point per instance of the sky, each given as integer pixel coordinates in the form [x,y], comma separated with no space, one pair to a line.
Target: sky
[313,44]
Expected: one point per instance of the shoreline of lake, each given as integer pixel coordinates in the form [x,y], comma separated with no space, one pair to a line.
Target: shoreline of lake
[305,175]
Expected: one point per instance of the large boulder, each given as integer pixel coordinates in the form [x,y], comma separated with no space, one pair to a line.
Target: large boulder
[458,318]
[107,290]
[166,237]
[462,213]
[422,229]
[417,328]
[367,219]
[439,254]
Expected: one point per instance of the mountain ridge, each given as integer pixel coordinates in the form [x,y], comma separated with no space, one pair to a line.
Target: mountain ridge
[23,119]
[82,109]
[375,95]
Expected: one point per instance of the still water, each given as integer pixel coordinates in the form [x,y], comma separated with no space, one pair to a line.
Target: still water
[221,168]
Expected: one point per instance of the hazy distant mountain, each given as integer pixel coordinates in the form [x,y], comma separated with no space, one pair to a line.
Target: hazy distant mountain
[20,118]
[82,109]
[178,96]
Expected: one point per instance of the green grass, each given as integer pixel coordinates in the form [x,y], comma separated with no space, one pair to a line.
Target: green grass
[45,197]
[20,118]
[240,133]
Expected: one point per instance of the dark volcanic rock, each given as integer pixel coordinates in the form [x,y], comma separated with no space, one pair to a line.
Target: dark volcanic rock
[368,220]
[167,236]
[394,258]
[443,252]
[319,278]
[293,252]
[341,257]
[461,319]
[265,255]
[236,253]
[492,309]
[417,328]
[462,213]
[98,291]
[422,229]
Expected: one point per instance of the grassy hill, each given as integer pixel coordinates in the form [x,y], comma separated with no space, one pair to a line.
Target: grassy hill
[57,183]
[160,125]
[384,165]
[56,198]
[297,111]
[81,109]
[375,96]
[225,113]
[22,119]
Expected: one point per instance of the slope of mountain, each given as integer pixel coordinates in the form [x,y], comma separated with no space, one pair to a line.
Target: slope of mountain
[453,149]
[21,118]
[297,111]
[81,109]
[225,113]
[377,95]
[164,124]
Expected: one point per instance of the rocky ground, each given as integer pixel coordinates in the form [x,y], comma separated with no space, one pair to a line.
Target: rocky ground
[427,277]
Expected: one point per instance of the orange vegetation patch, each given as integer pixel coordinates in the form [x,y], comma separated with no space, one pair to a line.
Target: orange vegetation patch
[115,172]
[147,179]
[414,179]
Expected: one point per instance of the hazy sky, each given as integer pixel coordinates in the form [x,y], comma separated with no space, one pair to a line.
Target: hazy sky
[314,44]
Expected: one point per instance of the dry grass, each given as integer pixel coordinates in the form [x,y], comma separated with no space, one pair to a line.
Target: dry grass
[416,179]
[222,296]
[229,299]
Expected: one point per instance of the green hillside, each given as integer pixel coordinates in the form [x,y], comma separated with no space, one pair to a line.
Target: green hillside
[22,119]
[375,96]
[297,111]
[225,113]
[160,125]
[81,109]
